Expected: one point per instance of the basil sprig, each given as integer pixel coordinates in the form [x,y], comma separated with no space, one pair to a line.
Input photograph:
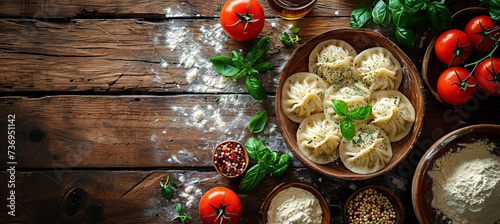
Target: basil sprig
[268,163]
[236,66]
[347,124]
[494,9]
[401,16]
[258,122]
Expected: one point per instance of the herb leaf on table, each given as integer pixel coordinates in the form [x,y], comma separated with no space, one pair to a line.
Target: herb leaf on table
[236,66]
[258,122]
[289,41]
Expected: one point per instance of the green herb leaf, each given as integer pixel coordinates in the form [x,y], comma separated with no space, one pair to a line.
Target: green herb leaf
[347,128]
[381,14]
[268,159]
[361,16]
[401,18]
[262,154]
[255,89]
[178,208]
[263,66]
[495,14]
[361,113]
[252,177]
[224,65]
[217,99]
[174,185]
[417,19]
[439,16]
[218,8]
[395,5]
[289,41]
[258,50]
[280,166]
[253,146]
[295,30]
[405,36]
[340,107]
[241,73]
[165,191]
[237,60]
[235,96]
[258,122]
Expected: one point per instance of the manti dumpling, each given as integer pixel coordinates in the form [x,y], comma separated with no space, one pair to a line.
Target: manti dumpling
[354,95]
[332,60]
[392,112]
[318,139]
[302,95]
[378,69]
[368,151]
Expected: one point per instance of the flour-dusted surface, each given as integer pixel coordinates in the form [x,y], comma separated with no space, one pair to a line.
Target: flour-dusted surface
[466,184]
[294,206]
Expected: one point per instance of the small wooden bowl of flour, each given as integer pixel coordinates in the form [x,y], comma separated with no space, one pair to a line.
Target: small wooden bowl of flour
[461,168]
[300,195]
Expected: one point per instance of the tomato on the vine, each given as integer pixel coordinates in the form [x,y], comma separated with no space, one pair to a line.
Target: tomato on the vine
[220,205]
[452,47]
[482,32]
[242,20]
[456,86]
[487,76]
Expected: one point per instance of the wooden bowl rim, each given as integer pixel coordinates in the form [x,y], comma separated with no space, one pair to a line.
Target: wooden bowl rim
[244,151]
[430,49]
[429,157]
[393,198]
[267,202]
[418,125]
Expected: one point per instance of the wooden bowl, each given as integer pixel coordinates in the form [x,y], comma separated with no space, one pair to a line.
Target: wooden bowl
[422,183]
[393,198]
[283,186]
[432,67]
[244,152]
[411,87]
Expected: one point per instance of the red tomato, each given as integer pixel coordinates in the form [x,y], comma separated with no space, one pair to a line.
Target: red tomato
[446,47]
[242,19]
[487,76]
[222,202]
[453,86]
[478,27]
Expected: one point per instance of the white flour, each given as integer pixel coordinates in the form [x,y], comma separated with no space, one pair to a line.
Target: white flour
[466,184]
[294,205]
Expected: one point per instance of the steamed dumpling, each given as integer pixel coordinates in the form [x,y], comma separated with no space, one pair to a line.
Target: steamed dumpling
[354,95]
[378,69]
[302,95]
[318,139]
[392,112]
[332,60]
[368,151]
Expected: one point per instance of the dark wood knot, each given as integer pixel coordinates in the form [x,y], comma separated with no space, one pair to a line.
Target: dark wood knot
[74,201]
[36,136]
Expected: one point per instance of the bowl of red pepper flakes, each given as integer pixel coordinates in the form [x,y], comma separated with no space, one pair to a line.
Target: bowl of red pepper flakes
[373,204]
[230,158]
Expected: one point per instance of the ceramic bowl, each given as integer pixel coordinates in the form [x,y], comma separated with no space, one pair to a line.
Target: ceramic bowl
[393,198]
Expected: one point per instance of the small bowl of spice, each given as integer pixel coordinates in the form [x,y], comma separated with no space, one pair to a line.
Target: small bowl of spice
[373,204]
[230,159]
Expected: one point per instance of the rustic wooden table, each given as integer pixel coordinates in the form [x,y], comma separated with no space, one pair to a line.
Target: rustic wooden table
[105,106]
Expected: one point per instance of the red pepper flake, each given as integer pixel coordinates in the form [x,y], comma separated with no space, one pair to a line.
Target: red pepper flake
[230,159]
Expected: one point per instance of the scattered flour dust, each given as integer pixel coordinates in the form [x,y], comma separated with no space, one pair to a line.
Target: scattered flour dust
[466,184]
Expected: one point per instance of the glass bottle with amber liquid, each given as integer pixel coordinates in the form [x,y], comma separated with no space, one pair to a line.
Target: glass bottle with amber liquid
[291,9]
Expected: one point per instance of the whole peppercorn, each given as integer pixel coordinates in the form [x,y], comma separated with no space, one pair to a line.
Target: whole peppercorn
[229,159]
[370,206]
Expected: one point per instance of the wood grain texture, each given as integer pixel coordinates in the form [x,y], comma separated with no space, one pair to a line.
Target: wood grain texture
[148,8]
[68,196]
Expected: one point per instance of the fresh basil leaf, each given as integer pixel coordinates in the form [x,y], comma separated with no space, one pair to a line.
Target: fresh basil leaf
[165,191]
[263,66]
[262,154]
[495,14]
[174,185]
[255,88]
[492,3]
[295,30]
[258,122]
[252,178]
[361,113]
[340,107]
[401,18]
[238,61]
[418,19]
[405,36]
[381,14]
[361,16]
[224,65]
[268,159]
[253,146]
[280,166]
[439,16]
[395,4]
[258,49]
[178,208]
[241,73]
[347,128]
[413,3]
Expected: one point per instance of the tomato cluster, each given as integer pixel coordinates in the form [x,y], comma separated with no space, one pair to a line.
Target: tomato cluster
[457,85]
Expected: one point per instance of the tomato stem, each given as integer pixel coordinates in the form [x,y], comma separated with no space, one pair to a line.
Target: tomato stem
[462,85]
[247,18]
[220,211]
[486,33]
[458,51]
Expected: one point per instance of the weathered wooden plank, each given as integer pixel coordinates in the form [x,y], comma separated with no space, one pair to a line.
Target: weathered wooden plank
[162,131]
[148,8]
[134,196]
